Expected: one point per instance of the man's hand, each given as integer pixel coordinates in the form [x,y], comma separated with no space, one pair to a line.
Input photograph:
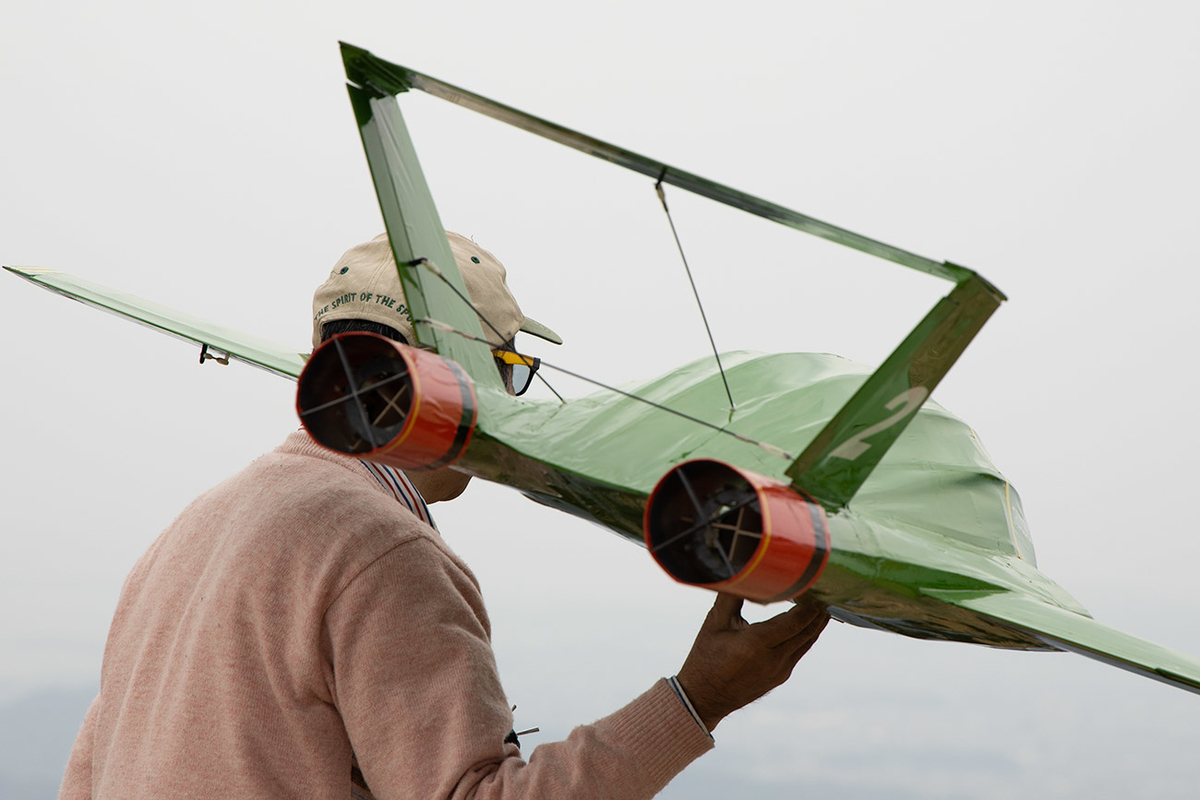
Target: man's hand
[733,663]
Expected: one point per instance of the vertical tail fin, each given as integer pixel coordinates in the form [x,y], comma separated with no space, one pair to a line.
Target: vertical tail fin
[416,232]
[844,453]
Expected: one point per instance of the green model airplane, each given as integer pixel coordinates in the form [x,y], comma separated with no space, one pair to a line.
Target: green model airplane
[824,478]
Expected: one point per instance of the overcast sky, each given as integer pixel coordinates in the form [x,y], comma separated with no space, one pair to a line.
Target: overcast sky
[204,156]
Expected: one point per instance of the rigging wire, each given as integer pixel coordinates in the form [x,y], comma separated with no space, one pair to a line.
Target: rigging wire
[445,328]
[429,265]
[770,448]
[662,197]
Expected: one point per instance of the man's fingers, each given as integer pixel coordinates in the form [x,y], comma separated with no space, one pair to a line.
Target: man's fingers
[791,623]
[727,610]
[806,638]
[732,662]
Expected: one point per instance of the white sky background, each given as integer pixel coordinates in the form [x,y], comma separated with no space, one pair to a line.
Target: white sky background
[204,156]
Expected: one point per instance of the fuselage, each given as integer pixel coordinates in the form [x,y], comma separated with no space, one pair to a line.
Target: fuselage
[936,514]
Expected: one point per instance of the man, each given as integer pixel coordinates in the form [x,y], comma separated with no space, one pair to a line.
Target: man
[302,630]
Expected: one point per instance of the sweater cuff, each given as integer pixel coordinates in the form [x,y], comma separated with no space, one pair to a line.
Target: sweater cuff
[687,702]
[661,729]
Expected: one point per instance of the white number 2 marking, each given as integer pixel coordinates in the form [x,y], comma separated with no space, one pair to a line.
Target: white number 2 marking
[908,401]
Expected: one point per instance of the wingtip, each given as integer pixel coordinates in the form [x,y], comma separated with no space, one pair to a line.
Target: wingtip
[365,69]
[27,272]
[352,57]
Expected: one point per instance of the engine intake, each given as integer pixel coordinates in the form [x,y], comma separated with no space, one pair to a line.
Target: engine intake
[365,395]
[713,525]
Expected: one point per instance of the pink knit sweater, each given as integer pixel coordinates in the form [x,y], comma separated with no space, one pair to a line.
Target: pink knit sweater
[296,616]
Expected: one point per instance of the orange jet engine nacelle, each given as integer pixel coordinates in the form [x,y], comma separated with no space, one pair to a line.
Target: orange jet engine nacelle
[364,395]
[713,525]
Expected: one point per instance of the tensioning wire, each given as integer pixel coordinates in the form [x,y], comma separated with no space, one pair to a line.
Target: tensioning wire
[770,448]
[662,198]
[429,265]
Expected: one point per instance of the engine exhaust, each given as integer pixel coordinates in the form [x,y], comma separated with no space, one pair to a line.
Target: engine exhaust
[365,395]
[713,525]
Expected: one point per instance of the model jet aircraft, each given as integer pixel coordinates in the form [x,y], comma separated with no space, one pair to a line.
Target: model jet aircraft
[824,479]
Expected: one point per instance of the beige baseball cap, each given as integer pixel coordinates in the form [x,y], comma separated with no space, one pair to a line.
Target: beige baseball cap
[364,285]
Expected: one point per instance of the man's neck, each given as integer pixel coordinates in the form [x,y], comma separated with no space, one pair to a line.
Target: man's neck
[439,485]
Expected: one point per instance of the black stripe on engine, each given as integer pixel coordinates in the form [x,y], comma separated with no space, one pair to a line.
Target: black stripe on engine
[820,553]
[466,423]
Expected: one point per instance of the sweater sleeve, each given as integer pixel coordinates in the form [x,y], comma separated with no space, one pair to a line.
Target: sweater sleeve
[77,781]
[415,681]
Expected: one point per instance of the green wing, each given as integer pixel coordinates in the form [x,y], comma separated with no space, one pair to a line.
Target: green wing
[233,344]
[1066,630]
[386,78]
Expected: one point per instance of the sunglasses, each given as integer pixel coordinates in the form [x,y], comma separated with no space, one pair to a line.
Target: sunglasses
[523,368]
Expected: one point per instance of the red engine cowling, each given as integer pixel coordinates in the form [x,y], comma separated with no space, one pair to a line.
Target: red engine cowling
[713,525]
[365,395]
